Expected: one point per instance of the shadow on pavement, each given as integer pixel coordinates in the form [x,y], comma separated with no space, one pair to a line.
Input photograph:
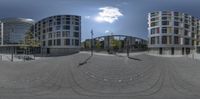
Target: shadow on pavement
[85,61]
[134,58]
[128,57]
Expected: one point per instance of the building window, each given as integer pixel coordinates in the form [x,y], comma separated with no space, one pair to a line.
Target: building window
[43,36]
[155,19]
[54,42]
[186,26]
[186,33]
[154,14]
[50,29]
[66,22]
[158,30]
[165,22]
[66,34]
[49,42]
[176,13]
[186,41]
[44,43]
[176,23]
[153,40]
[193,35]
[169,29]
[77,42]
[193,41]
[76,19]
[76,23]
[44,31]
[58,42]
[164,18]
[66,27]
[158,39]
[58,34]
[154,24]
[76,28]
[153,31]
[58,23]
[164,39]
[164,29]
[176,30]
[67,42]
[58,27]
[73,42]
[170,39]
[186,21]
[50,35]
[176,40]
[76,34]
[67,18]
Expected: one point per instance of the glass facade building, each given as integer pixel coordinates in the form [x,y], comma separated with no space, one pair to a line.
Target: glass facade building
[13,30]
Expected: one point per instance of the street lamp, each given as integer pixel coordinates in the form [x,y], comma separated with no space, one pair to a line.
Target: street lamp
[1,33]
[92,42]
[128,47]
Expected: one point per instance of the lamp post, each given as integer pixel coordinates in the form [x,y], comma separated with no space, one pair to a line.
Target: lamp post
[128,47]
[1,36]
[92,42]
[1,33]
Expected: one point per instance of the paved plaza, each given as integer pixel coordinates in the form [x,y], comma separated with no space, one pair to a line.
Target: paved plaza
[102,76]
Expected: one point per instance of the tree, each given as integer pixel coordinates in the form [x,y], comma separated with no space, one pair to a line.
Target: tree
[29,41]
[116,44]
[98,44]
[87,44]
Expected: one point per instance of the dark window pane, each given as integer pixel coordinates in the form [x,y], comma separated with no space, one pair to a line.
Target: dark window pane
[77,42]
[76,28]
[58,42]
[164,29]
[76,34]
[67,42]
[50,43]
[66,27]
[176,30]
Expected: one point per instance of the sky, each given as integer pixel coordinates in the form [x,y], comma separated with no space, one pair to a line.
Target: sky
[104,17]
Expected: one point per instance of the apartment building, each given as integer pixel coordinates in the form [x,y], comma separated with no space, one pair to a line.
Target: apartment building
[173,33]
[59,35]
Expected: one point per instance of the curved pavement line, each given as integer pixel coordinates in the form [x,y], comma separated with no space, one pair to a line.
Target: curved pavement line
[181,85]
[80,90]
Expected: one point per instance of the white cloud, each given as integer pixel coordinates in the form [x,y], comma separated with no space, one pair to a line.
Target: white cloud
[108,14]
[107,31]
[87,17]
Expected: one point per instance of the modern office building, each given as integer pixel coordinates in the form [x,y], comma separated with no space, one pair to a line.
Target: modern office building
[59,35]
[13,32]
[116,42]
[173,33]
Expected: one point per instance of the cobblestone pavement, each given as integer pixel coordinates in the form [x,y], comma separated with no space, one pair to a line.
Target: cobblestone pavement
[101,77]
